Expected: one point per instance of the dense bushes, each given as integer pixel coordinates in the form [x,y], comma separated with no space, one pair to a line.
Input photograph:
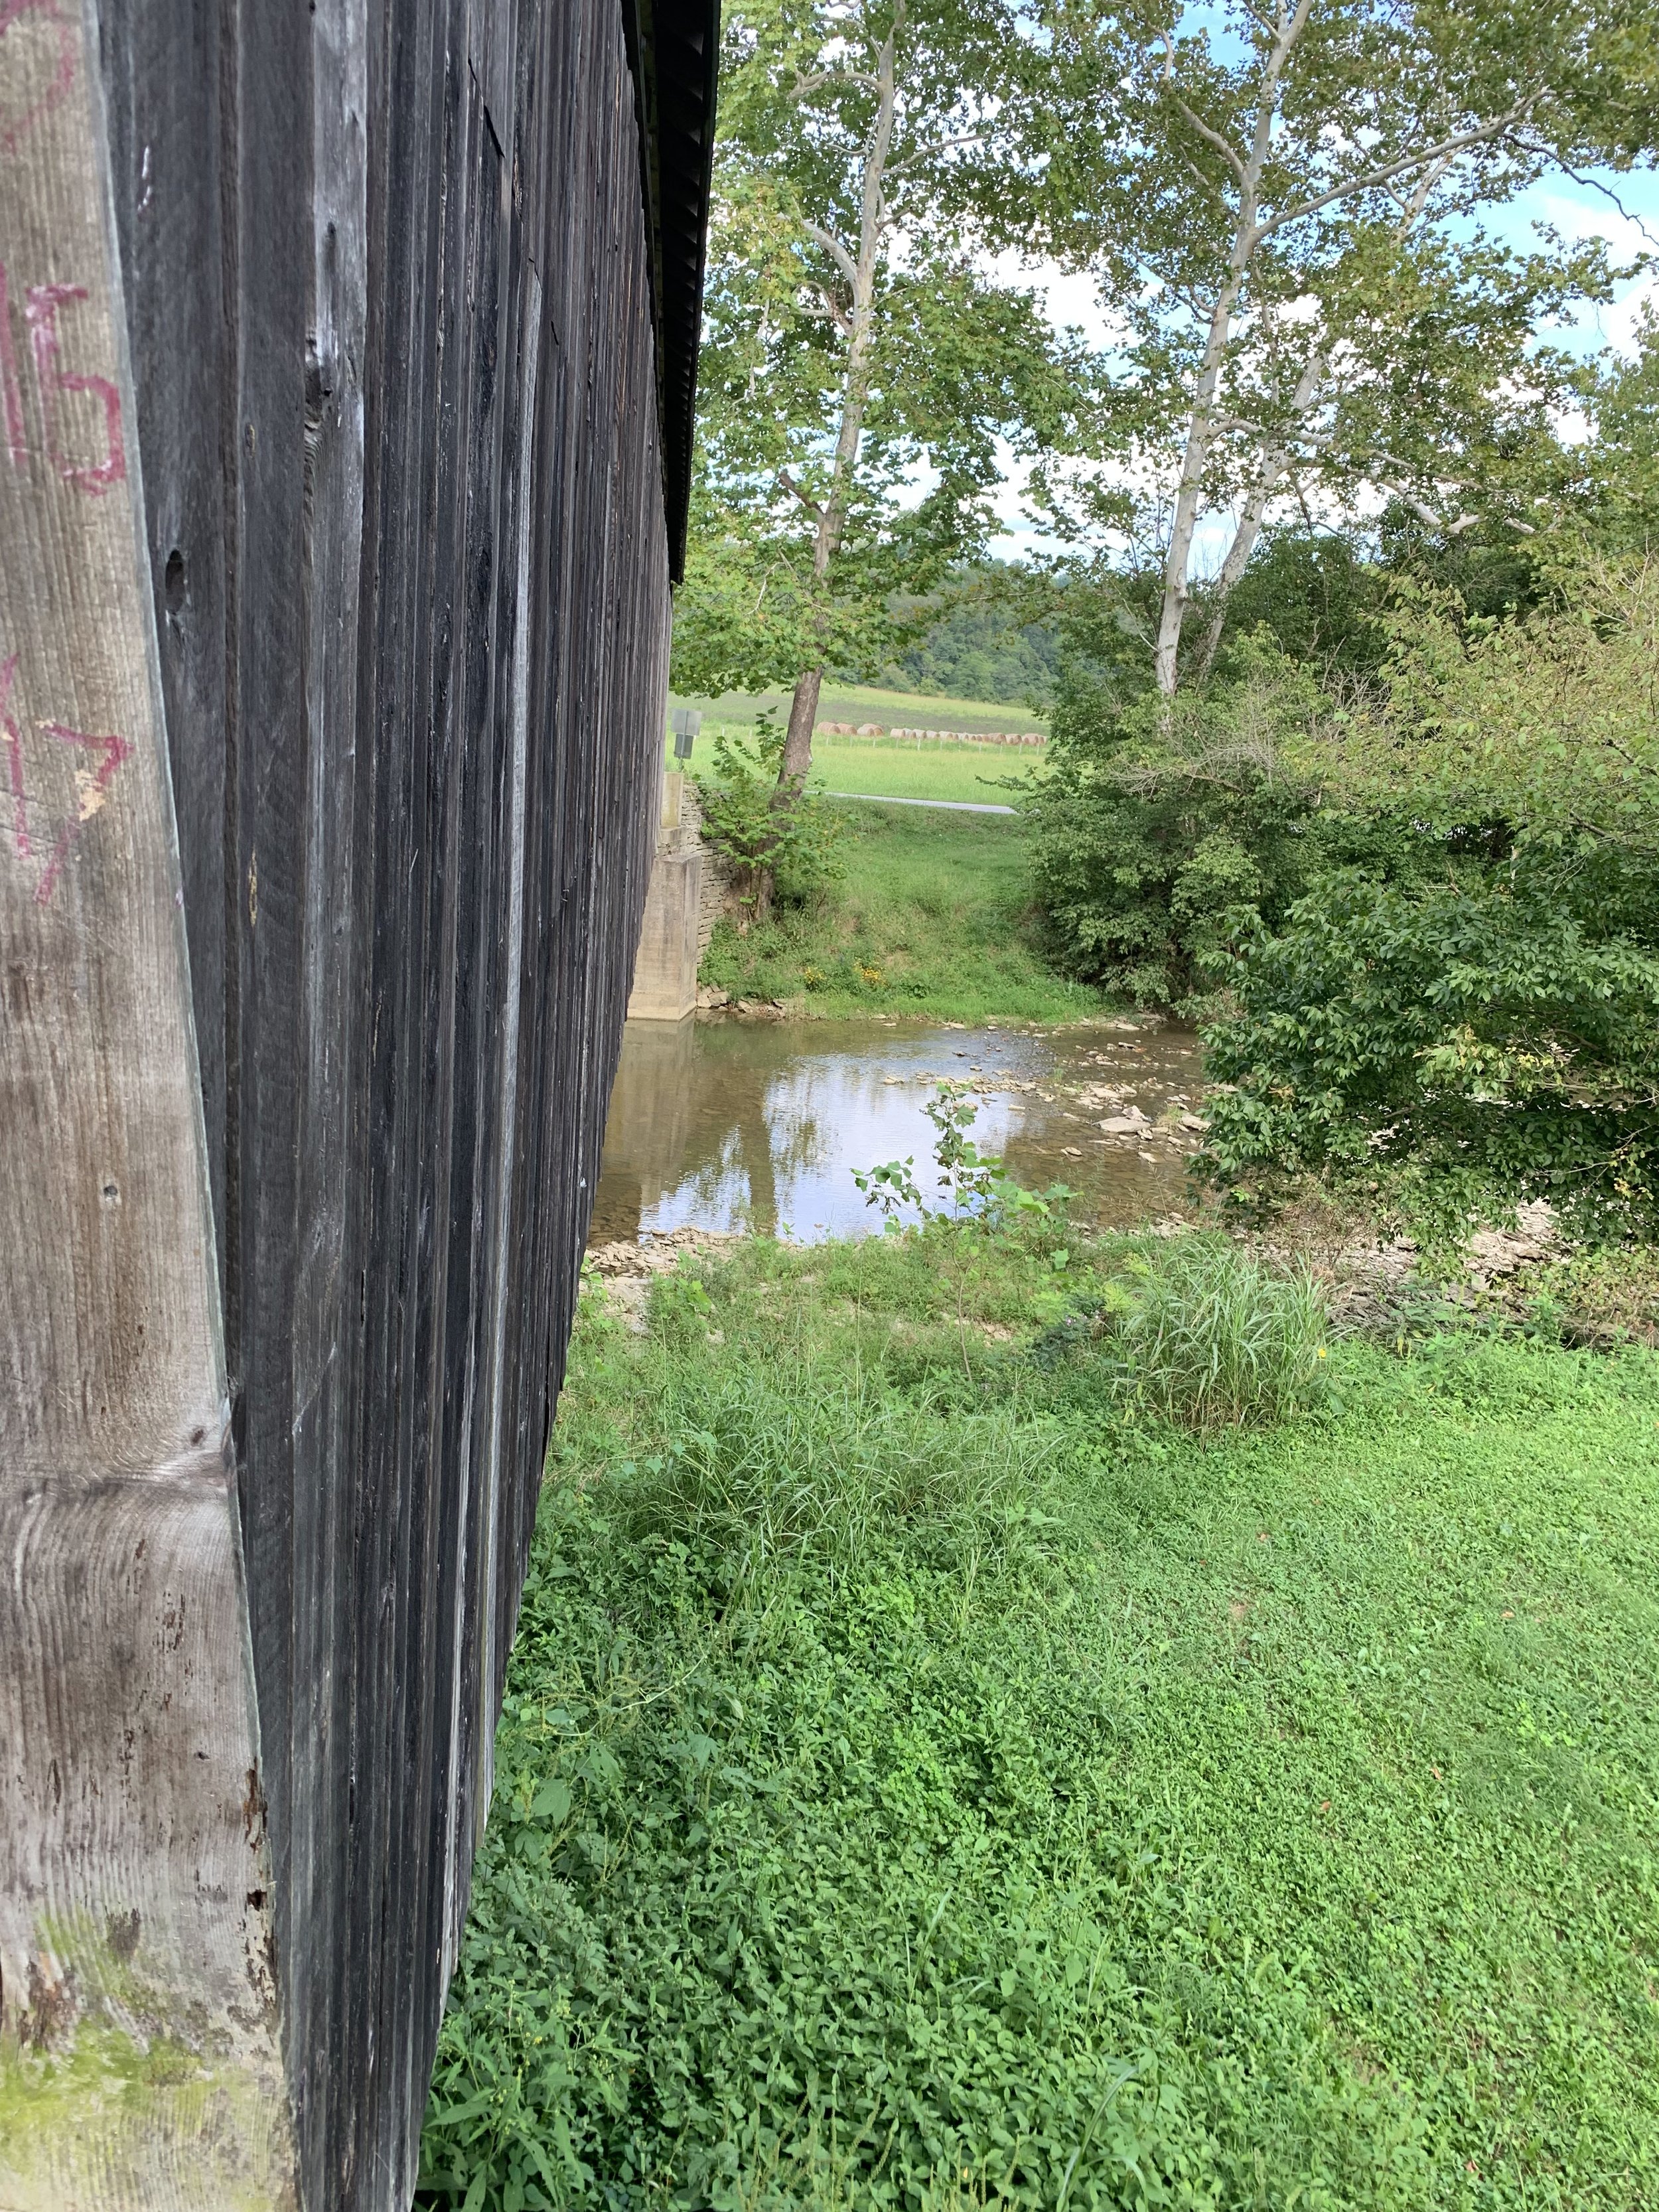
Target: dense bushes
[1422,925]
[1497,1028]
[1484,1008]
[1167,833]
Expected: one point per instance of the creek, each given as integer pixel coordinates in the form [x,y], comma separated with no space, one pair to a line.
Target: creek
[734,1122]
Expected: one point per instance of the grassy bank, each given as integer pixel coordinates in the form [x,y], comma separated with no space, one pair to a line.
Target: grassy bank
[923,1783]
[931,919]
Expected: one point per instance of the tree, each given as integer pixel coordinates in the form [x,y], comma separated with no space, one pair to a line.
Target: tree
[1283,210]
[856,346]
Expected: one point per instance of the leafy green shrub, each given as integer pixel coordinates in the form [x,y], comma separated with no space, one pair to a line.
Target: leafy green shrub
[783,851]
[1477,1002]
[1496,1032]
[1167,831]
[1208,1338]
[974,1189]
[679,1306]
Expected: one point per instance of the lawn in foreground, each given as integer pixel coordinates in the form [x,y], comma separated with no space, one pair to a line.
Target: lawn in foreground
[921,1786]
[933,918]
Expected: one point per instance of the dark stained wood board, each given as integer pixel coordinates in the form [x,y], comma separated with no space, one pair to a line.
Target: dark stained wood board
[395,319]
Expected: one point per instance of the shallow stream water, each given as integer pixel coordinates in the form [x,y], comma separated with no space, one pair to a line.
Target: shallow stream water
[730,1123]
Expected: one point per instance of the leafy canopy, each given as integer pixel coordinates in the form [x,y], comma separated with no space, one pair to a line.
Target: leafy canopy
[861,362]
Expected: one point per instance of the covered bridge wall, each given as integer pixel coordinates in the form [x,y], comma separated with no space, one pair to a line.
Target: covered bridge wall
[410,297]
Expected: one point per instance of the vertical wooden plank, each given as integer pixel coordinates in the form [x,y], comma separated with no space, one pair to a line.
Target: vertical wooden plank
[327,1302]
[134,1894]
[163,66]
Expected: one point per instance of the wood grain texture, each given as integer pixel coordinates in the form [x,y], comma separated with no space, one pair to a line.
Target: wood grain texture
[410,580]
[139,2057]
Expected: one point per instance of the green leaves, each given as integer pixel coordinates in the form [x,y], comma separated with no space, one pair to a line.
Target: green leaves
[791,851]
[1497,1030]
[551,1804]
[1163,836]
[862,370]
[1282,210]
[1470,990]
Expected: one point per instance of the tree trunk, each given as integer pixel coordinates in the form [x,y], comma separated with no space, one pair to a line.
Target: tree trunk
[1200,438]
[1202,423]
[859,328]
[1238,554]
[797,763]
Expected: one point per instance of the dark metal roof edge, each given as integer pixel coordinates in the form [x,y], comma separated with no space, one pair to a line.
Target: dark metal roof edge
[673,52]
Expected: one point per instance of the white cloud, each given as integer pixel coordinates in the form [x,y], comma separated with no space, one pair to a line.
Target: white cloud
[1579,213]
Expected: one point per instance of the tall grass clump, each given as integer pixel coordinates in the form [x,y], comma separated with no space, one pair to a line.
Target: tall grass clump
[762,1468]
[1209,1338]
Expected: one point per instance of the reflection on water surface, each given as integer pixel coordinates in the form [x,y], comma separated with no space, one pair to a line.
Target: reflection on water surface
[719,1124]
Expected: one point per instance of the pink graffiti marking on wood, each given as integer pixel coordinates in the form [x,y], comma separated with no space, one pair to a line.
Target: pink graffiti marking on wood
[11,391]
[12,11]
[92,785]
[42,313]
[13,744]
[92,790]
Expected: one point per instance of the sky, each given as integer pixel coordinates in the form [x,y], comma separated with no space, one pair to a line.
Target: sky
[1576,209]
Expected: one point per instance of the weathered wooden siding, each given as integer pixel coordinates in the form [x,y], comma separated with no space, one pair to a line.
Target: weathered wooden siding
[388,290]
[134,1889]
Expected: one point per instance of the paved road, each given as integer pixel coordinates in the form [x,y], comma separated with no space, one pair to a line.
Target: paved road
[950,806]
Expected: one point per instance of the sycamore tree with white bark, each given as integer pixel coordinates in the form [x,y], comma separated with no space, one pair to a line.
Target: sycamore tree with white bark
[1287,205]
[865,372]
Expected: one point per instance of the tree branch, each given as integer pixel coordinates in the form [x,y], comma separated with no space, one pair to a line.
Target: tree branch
[1424,512]
[1222,144]
[1444,152]
[803,85]
[833,246]
[829,310]
[786,482]
[929,153]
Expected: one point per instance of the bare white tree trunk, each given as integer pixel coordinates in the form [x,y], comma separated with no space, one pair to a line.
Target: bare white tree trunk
[1201,442]
[1203,424]
[1275,456]
[1425,166]
[857,322]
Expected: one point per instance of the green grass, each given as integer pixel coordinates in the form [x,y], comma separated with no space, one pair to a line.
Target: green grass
[1211,1339]
[978,773]
[863,702]
[903,771]
[921,1784]
[932,918]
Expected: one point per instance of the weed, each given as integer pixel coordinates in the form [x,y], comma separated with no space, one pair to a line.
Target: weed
[771,1464]
[1210,1338]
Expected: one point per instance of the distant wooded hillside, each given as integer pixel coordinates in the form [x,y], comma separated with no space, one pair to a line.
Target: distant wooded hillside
[980,648]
